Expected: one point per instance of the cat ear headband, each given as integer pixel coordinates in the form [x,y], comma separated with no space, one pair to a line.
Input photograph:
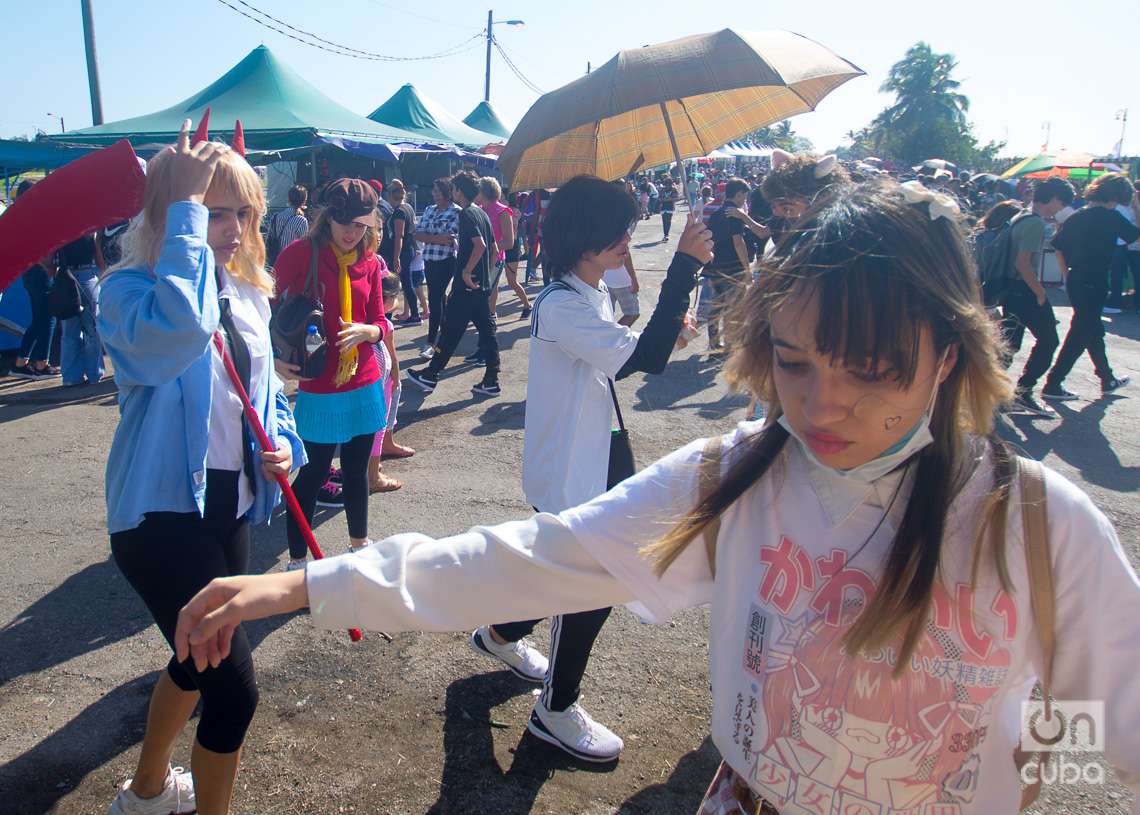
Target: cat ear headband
[823,167]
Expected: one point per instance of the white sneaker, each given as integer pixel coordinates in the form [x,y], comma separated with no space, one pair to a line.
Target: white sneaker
[575,732]
[524,660]
[176,798]
[295,564]
[427,352]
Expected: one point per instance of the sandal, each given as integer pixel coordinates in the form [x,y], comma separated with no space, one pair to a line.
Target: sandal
[398,451]
[386,484]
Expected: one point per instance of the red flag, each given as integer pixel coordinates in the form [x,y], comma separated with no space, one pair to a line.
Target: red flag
[92,192]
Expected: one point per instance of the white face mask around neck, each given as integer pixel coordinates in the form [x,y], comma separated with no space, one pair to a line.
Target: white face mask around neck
[918,438]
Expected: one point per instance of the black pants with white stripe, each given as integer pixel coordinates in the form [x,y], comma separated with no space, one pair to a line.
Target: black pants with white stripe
[571,640]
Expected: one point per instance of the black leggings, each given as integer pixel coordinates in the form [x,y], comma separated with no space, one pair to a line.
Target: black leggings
[439,275]
[354,481]
[571,640]
[167,559]
[411,301]
[666,221]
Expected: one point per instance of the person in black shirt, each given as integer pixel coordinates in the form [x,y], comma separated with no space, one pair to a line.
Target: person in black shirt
[468,302]
[398,247]
[668,199]
[1085,245]
[726,272]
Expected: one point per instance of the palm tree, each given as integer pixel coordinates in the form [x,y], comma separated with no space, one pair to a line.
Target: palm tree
[924,91]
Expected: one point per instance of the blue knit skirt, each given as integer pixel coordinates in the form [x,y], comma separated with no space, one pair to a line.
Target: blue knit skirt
[334,418]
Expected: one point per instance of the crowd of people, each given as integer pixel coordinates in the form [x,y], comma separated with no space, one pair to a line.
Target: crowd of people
[852,310]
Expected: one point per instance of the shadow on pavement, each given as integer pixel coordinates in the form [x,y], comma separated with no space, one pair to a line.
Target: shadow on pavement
[683,790]
[683,379]
[17,401]
[1077,439]
[500,416]
[1124,325]
[54,767]
[472,779]
[35,781]
[92,608]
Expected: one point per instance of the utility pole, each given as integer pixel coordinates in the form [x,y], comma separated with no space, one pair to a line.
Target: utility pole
[487,80]
[1122,115]
[92,66]
[587,69]
[1048,128]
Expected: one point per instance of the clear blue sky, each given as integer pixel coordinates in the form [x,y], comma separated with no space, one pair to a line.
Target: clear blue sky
[155,53]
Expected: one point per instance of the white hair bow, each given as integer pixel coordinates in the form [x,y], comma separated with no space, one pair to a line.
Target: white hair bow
[939,205]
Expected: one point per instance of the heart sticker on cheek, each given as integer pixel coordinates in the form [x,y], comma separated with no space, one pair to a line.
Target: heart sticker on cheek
[891,422]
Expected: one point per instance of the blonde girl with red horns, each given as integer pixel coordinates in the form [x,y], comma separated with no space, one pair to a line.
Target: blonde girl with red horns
[184,480]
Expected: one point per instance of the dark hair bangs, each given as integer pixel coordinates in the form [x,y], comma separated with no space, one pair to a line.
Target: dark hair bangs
[851,329]
[871,312]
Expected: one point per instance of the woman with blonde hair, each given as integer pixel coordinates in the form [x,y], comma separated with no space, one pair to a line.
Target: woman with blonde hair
[345,405]
[182,486]
[871,633]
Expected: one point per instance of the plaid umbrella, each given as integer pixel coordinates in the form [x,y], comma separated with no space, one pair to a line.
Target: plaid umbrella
[650,106]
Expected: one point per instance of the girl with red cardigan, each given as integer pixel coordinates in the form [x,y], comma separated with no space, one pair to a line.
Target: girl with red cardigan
[345,405]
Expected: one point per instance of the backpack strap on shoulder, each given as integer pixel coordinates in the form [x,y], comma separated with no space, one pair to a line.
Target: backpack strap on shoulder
[708,482]
[1042,594]
[1039,565]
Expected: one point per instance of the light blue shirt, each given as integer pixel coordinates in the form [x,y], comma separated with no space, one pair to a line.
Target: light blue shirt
[157,326]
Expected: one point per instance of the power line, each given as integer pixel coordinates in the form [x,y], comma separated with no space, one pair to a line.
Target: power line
[336,48]
[515,69]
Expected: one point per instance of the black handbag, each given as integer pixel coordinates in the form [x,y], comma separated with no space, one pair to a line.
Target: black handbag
[289,326]
[622,465]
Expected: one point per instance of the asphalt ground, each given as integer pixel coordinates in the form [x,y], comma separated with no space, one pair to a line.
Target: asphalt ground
[420,723]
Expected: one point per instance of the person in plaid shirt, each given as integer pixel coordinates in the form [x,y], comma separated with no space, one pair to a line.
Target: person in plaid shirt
[438,231]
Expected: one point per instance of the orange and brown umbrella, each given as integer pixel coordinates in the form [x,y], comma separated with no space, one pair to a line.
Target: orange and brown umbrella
[650,106]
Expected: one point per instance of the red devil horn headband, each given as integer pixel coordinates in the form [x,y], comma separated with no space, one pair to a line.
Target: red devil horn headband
[203,132]
[239,138]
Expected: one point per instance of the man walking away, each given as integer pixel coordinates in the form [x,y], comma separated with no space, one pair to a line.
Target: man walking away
[1025,305]
[1085,245]
[468,302]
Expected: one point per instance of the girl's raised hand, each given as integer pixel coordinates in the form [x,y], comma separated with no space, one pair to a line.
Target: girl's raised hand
[192,168]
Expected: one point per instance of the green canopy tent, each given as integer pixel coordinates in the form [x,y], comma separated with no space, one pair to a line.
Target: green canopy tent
[278,109]
[484,117]
[411,111]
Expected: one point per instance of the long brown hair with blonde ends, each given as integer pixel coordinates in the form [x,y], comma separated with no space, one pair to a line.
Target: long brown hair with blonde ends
[862,253]
[142,242]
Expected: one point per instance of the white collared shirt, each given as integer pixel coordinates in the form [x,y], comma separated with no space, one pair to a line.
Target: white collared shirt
[250,310]
[575,348]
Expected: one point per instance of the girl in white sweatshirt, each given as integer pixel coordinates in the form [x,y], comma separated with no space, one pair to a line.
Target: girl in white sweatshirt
[871,634]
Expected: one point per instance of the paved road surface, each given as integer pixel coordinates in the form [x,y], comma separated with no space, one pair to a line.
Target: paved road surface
[421,723]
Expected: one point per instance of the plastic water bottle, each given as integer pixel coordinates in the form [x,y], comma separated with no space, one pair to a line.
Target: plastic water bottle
[313,341]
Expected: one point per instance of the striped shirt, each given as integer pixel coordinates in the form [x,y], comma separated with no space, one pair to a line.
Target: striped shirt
[435,221]
[288,226]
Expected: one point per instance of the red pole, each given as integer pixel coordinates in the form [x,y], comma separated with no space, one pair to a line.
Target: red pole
[263,442]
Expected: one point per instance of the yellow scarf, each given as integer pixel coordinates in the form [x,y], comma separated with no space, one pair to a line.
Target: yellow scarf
[346,368]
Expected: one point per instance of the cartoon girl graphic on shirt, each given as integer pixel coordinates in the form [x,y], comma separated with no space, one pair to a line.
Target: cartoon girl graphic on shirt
[853,732]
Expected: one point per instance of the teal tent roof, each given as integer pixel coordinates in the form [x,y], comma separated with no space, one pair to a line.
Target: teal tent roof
[487,119]
[408,109]
[278,109]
